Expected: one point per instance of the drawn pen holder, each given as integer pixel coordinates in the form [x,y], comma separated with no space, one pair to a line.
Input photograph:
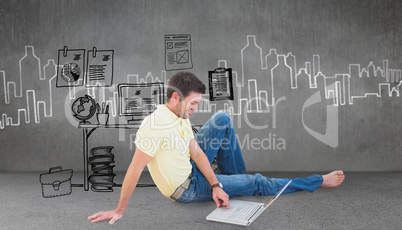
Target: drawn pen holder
[103,118]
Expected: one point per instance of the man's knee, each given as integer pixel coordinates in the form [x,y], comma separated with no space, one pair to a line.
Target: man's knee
[222,118]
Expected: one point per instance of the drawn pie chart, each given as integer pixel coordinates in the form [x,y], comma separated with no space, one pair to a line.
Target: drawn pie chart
[70,72]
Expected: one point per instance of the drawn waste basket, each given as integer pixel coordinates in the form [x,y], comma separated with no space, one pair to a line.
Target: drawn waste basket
[57,182]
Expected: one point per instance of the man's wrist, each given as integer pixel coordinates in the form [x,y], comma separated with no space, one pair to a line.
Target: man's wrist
[119,210]
[216,185]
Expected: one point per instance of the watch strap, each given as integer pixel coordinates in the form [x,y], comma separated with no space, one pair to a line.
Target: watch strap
[215,185]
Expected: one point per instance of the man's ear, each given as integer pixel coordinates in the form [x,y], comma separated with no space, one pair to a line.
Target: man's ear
[176,96]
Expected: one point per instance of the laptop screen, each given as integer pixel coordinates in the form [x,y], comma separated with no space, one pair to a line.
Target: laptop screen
[278,194]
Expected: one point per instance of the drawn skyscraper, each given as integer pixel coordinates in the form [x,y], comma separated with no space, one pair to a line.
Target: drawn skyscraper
[252,65]
[30,73]
[355,89]
[271,60]
[45,106]
[316,68]
[320,81]
[303,80]
[291,62]
[282,79]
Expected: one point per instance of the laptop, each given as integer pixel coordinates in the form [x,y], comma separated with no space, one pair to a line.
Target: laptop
[242,212]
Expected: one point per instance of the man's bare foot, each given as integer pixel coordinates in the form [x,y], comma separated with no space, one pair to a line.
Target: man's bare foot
[333,179]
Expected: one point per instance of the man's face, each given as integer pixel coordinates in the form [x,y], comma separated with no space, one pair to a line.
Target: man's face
[188,105]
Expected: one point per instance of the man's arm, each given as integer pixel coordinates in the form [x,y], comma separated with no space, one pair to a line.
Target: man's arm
[202,162]
[140,160]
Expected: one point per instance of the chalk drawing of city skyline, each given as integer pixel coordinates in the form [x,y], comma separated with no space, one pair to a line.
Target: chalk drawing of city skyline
[279,71]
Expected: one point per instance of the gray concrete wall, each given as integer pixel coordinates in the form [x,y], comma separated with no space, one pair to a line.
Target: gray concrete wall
[320,109]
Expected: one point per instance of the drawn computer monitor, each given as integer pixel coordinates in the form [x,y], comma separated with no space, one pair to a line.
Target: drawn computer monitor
[139,100]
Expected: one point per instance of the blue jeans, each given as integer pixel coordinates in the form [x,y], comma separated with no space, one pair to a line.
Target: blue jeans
[217,138]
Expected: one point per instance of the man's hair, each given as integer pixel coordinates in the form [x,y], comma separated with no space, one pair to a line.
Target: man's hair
[184,83]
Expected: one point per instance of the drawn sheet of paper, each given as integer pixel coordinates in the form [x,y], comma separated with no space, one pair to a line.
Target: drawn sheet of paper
[70,70]
[178,52]
[220,84]
[99,68]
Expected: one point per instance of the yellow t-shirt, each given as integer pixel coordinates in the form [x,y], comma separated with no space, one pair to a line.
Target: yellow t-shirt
[166,137]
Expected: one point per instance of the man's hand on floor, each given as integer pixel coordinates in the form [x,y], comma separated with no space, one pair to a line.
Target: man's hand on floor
[220,197]
[113,215]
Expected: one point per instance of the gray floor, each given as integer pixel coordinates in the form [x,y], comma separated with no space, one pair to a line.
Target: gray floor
[364,201]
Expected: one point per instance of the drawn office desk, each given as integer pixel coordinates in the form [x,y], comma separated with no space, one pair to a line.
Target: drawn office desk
[87,130]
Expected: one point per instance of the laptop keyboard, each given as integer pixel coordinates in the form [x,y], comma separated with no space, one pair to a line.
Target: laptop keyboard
[245,211]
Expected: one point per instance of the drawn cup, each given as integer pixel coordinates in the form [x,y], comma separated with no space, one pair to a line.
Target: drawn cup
[103,118]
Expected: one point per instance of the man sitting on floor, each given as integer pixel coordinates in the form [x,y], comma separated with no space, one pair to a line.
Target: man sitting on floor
[180,163]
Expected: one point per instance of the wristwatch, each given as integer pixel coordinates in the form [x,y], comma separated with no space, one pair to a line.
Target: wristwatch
[216,185]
